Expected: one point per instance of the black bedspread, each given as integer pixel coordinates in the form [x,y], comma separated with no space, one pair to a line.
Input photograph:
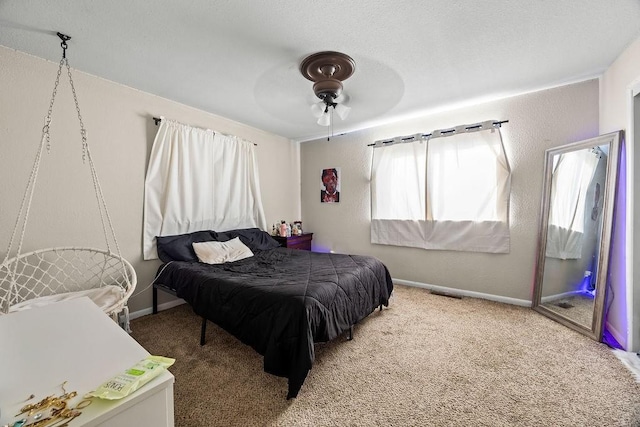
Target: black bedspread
[281,301]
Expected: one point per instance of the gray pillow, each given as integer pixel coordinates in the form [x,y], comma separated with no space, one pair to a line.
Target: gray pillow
[254,238]
[180,247]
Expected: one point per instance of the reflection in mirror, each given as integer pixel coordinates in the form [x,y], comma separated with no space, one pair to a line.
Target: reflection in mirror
[575,232]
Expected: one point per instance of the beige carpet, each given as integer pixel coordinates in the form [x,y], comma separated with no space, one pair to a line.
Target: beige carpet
[426,360]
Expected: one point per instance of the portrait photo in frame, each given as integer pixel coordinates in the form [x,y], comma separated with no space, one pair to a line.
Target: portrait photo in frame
[330,185]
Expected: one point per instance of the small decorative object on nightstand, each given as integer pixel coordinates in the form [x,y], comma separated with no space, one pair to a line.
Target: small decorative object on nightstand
[296,242]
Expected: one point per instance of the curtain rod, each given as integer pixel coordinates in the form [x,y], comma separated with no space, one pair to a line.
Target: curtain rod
[157,120]
[426,135]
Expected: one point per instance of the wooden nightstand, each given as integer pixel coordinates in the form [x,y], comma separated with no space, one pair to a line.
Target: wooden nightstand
[296,242]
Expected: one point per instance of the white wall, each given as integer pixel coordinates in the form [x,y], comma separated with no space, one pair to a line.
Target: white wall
[537,121]
[120,134]
[616,102]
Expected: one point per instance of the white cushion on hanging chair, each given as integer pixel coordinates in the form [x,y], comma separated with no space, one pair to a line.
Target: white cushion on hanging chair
[104,297]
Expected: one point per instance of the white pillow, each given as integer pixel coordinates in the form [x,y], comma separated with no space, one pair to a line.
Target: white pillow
[221,252]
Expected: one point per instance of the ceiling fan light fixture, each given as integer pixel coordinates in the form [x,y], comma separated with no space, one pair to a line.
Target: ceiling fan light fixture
[325,119]
[327,70]
[342,110]
[317,109]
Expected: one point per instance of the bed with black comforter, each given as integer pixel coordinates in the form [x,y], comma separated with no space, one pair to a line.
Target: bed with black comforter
[280,301]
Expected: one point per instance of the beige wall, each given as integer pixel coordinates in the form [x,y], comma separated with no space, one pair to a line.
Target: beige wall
[120,133]
[616,110]
[537,121]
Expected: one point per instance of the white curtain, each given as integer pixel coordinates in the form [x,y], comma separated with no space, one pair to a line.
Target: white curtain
[572,175]
[398,182]
[199,179]
[443,193]
[398,206]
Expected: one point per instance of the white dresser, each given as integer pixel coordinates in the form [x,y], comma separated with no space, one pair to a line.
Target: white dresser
[75,341]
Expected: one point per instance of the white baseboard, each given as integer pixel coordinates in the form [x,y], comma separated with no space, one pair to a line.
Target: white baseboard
[630,360]
[164,306]
[463,293]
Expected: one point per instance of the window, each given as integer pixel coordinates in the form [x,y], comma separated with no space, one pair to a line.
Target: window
[442,193]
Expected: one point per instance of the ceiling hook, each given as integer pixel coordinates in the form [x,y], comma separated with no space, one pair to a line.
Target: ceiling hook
[64,39]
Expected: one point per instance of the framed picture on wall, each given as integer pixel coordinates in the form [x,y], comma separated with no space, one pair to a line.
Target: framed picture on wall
[330,185]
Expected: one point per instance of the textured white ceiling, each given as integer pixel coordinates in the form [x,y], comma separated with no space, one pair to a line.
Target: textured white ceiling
[239,58]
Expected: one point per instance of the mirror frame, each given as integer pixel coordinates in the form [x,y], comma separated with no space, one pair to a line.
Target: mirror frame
[613,159]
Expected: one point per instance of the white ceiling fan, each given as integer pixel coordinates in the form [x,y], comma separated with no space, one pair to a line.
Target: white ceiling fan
[327,70]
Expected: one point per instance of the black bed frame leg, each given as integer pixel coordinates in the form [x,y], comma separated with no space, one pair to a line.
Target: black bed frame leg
[350,336]
[203,330]
[155,301]
[380,307]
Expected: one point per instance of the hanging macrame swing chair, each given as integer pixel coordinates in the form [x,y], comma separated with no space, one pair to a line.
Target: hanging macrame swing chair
[49,275]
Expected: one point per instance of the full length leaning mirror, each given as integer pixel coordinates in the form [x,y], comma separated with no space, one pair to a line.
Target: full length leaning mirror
[575,232]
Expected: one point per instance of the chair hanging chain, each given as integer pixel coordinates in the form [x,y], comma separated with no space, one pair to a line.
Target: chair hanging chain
[46,140]
[83,131]
[47,123]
